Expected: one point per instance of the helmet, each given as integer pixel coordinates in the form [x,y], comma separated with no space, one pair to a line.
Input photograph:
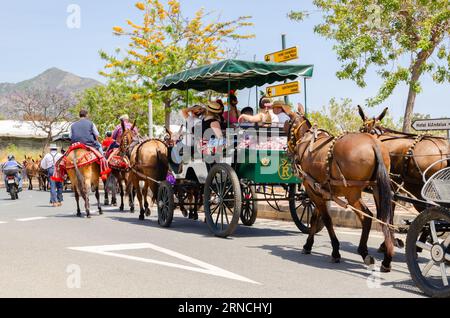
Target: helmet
[11,157]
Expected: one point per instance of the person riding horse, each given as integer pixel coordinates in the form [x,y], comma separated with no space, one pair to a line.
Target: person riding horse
[85,132]
[118,131]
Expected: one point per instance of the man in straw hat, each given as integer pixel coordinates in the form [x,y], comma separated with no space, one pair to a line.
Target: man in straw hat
[48,164]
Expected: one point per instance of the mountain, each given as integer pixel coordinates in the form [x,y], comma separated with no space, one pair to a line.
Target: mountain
[52,78]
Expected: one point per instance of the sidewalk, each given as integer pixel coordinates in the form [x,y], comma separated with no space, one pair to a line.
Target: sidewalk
[341,217]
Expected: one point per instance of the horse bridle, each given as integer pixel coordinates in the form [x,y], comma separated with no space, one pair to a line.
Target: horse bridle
[294,127]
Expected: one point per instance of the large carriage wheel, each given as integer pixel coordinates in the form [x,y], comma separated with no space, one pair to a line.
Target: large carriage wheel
[249,208]
[428,258]
[166,204]
[302,209]
[222,200]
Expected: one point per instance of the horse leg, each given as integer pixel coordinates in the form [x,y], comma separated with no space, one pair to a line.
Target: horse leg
[105,185]
[355,201]
[139,196]
[114,191]
[145,195]
[77,199]
[122,206]
[321,208]
[30,183]
[388,254]
[97,196]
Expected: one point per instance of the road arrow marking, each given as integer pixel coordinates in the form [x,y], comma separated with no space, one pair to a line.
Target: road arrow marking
[205,268]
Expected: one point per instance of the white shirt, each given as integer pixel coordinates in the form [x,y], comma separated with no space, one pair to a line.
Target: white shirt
[50,159]
[282,118]
[191,122]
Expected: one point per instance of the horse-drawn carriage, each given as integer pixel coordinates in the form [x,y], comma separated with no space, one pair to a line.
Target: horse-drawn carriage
[230,188]
[428,239]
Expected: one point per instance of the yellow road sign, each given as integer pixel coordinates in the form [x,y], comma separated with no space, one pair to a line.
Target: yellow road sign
[282,56]
[283,89]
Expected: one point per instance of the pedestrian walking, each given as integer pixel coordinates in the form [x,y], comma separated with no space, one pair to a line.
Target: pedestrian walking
[48,164]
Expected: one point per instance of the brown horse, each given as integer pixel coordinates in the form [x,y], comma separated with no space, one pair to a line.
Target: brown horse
[149,163]
[42,177]
[84,180]
[342,167]
[122,175]
[32,169]
[411,155]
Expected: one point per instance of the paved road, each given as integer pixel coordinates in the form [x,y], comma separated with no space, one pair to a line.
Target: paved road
[48,252]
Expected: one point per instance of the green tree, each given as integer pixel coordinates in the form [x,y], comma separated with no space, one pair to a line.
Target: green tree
[402,39]
[106,104]
[165,42]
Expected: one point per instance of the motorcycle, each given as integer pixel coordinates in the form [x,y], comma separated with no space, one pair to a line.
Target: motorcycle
[12,184]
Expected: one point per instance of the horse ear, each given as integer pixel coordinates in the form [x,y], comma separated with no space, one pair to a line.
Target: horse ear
[383,114]
[122,124]
[361,113]
[301,109]
[134,125]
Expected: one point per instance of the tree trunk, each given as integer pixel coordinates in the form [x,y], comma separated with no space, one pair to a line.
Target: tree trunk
[167,110]
[409,108]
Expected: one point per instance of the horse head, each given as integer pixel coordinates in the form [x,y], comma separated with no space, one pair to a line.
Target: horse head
[171,138]
[128,135]
[296,127]
[372,125]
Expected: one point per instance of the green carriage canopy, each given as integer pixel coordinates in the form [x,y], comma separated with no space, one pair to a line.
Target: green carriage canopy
[240,74]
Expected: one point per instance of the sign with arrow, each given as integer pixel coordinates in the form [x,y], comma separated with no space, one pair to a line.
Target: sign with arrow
[432,124]
[283,89]
[282,56]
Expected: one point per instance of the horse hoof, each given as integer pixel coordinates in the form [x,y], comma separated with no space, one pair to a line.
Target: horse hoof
[106,203]
[88,216]
[306,252]
[399,243]
[385,269]
[381,249]
[79,215]
[369,260]
[100,212]
[148,212]
[335,260]
[141,217]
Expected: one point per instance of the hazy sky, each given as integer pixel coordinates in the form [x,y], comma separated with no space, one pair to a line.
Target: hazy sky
[34,36]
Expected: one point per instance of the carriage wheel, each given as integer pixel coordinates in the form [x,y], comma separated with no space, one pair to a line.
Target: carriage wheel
[430,268]
[166,204]
[249,208]
[222,200]
[302,209]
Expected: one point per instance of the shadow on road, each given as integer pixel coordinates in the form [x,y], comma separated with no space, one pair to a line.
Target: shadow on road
[183,225]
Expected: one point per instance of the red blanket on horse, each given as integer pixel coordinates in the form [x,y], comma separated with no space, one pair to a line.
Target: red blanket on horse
[93,155]
[118,162]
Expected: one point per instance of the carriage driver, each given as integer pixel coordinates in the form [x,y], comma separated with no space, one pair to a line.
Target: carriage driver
[84,131]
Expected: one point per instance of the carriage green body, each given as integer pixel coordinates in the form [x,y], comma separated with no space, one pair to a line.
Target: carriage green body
[265,167]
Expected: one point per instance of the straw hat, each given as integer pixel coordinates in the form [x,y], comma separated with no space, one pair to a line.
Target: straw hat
[281,104]
[214,107]
[124,117]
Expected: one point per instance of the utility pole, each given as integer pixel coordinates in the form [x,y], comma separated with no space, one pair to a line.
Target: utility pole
[283,47]
[150,118]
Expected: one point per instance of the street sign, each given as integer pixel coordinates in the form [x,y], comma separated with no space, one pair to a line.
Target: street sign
[282,56]
[283,89]
[432,124]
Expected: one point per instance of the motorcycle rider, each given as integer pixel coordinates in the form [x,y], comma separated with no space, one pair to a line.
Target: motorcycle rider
[12,165]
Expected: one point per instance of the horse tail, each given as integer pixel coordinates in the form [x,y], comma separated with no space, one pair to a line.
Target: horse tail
[162,165]
[80,178]
[385,212]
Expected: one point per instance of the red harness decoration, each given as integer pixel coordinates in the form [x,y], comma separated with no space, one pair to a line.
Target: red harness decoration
[93,155]
[117,162]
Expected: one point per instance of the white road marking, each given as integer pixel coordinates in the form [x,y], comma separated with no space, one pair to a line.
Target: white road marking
[31,219]
[2,222]
[205,268]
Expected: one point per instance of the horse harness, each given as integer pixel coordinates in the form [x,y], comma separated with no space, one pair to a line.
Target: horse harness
[313,138]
